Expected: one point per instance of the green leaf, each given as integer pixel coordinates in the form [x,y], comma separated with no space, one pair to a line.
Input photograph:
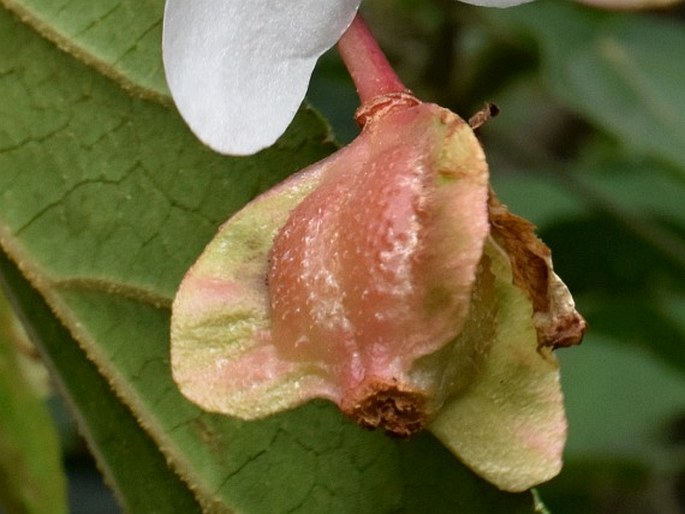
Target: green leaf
[92,31]
[553,203]
[629,425]
[105,201]
[620,70]
[112,432]
[624,407]
[600,484]
[31,477]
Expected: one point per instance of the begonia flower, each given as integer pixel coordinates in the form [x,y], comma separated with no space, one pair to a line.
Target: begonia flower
[390,280]
[238,70]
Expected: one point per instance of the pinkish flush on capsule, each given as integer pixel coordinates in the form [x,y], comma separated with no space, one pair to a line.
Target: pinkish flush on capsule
[389,280]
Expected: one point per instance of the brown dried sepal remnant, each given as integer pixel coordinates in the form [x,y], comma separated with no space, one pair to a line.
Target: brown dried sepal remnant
[557,322]
[398,410]
[479,119]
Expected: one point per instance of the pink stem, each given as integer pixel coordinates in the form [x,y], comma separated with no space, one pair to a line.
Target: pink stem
[370,70]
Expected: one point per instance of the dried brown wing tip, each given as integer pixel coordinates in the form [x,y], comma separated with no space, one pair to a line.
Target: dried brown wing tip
[399,411]
[557,322]
[561,326]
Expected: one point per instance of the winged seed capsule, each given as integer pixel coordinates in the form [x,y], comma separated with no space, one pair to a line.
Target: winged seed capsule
[388,279]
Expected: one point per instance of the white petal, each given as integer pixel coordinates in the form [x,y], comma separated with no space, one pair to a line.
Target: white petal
[496,3]
[239,69]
